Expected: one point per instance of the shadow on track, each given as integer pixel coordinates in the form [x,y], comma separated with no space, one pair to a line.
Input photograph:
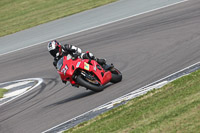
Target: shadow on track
[76,97]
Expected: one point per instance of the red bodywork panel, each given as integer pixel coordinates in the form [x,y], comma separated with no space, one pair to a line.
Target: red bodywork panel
[69,66]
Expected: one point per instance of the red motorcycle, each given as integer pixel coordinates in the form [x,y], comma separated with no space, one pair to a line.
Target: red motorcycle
[87,73]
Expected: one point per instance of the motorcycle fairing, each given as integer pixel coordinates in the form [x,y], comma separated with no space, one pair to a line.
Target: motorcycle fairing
[84,64]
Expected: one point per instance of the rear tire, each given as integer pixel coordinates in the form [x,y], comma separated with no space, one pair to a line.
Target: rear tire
[88,85]
[116,75]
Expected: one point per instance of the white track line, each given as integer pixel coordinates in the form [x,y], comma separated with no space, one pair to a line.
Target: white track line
[31,79]
[17,92]
[17,84]
[97,26]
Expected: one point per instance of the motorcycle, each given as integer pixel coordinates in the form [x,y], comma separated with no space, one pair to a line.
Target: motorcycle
[87,73]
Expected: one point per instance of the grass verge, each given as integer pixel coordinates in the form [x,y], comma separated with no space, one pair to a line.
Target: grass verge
[173,108]
[18,15]
[2,91]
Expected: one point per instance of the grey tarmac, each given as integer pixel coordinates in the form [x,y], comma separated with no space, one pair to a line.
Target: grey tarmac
[145,49]
[78,22]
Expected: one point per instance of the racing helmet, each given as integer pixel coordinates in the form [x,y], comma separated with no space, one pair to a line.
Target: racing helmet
[54,48]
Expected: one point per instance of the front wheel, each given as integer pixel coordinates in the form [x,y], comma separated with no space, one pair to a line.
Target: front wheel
[94,87]
[116,75]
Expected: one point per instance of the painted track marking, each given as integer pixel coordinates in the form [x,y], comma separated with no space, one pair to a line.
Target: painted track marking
[39,81]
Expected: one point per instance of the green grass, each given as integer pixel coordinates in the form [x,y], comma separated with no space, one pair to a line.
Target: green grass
[173,108]
[16,15]
[2,91]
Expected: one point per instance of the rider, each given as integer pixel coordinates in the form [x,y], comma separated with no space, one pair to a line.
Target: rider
[58,51]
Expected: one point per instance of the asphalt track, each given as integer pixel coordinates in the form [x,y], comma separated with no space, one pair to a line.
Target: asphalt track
[79,22]
[145,48]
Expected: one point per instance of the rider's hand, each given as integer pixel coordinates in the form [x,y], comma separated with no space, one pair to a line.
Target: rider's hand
[75,55]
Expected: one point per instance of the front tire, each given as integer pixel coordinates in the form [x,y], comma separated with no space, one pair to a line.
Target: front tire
[116,75]
[88,85]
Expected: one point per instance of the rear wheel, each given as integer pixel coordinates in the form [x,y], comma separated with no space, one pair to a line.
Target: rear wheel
[116,75]
[93,85]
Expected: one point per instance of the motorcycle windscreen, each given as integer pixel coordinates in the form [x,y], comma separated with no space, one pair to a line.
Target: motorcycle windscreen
[60,64]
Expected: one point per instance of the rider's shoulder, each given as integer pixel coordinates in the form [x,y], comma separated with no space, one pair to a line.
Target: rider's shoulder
[67,46]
